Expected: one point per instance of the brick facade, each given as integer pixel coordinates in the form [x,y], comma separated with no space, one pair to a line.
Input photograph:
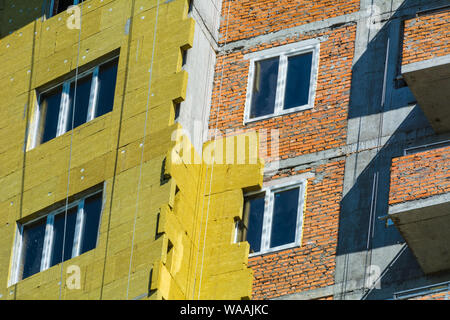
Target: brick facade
[434,296]
[311,265]
[323,127]
[426,37]
[420,175]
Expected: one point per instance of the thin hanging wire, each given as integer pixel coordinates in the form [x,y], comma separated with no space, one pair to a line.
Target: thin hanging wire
[199,187]
[374,198]
[143,147]
[27,111]
[70,152]
[213,159]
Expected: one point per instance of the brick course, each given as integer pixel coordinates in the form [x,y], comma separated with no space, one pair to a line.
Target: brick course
[420,175]
[248,18]
[312,265]
[426,37]
[434,296]
[323,127]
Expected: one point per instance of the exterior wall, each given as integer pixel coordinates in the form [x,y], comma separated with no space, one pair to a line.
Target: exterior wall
[247,18]
[151,199]
[200,62]
[15,15]
[344,146]
[322,128]
[420,175]
[426,37]
[317,129]
[434,296]
[312,265]
[362,118]
[200,225]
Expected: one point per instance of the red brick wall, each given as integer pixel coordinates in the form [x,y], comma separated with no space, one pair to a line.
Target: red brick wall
[426,37]
[420,175]
[435,296]
[323,127]
[249,18]
[313,264]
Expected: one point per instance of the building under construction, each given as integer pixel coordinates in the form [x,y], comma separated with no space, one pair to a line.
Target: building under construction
[224,149]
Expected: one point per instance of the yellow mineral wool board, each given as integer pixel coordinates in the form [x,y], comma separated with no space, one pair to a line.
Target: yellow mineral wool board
[229,286]
[41,196]
[15,15]
[229,177]
[178,261]
[231,258]
[16,55]
[157,133]
[10,160]
[215,227]
[172,196]
[10,185]
[168,289]
[167,89]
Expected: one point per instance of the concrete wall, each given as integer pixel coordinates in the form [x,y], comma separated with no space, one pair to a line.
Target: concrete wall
[200,62]
[381,111]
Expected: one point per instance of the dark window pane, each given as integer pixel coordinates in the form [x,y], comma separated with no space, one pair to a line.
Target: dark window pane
[58,241]
[49,108]
[298,81]
[264,87]
[92,211]
[107,85]
[284,217]
[254,215]
[33,243]
[61,5]
[83,87]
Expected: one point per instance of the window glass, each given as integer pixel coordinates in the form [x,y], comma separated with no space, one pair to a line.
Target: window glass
[59,241]
[298,81]
[253,220]
[60,110]
[81,103]
[33,244]
[61,5]
[49,106]
[107,85]
[284,220]
[58,231]
[264,87]
[92,211]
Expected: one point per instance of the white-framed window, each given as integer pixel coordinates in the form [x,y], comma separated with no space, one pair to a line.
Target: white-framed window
[282,80]
[273,218]
[58,236]
[74,102]
[58,6]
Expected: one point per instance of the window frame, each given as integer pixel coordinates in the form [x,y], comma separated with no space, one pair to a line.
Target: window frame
[64,107]
[49,220]
[284,53]
[268,216]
